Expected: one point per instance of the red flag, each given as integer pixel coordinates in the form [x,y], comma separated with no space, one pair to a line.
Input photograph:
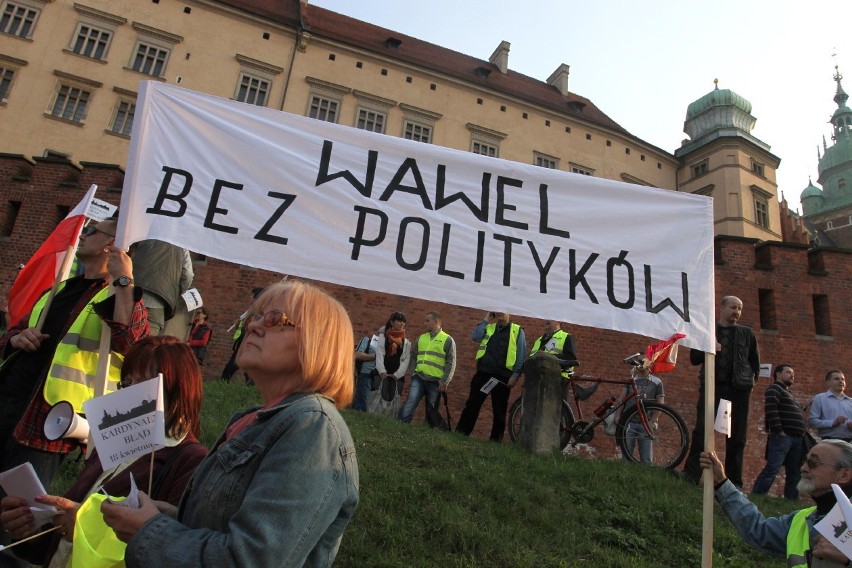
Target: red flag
[40,271]
[662,356]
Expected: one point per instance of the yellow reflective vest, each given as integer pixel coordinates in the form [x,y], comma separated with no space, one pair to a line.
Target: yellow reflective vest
[431,356]
[511,352]
[74,367]
[799,539]
[560,337]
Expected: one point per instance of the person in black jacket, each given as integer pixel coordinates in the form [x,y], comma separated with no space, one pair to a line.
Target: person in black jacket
[737,369]
[785,426]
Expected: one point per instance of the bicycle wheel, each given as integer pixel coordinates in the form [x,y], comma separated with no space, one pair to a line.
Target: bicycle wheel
[670,441]
[516,412]
[516,415]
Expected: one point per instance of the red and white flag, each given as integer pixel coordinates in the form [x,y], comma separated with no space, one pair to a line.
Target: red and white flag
[662,356]
[39,273]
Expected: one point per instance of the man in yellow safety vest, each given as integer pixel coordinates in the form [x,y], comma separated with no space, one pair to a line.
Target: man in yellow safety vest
[793,535]
[433,362]
[60,361]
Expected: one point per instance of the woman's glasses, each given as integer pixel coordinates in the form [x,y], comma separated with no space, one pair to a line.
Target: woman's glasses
[272,318]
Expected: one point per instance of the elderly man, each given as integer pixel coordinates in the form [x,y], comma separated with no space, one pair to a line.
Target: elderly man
[792,535]
[60,361]
[737,369]
[831,411]
[499,362]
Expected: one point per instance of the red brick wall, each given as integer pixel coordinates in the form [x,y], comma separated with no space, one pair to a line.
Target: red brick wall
[792,274]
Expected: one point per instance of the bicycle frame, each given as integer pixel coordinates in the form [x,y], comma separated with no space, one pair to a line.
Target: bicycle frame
[633,393]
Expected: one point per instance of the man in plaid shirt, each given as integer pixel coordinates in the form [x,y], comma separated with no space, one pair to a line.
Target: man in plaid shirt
[23,408]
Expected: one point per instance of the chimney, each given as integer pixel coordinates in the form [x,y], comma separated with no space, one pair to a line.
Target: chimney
[500,57]
[559,79]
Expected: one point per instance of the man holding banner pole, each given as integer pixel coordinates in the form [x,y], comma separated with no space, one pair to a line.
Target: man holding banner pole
[59,361]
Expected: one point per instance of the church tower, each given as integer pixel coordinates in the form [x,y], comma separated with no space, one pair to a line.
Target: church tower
[829,210]
[721,159]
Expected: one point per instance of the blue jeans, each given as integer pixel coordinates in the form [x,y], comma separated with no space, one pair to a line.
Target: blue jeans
[636,434]
[418,388]
[363,388]
[786,451]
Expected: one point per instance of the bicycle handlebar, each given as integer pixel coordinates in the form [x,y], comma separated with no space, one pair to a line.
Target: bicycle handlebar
[634,360]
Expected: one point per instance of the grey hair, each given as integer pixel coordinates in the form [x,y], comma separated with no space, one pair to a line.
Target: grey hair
[845,459]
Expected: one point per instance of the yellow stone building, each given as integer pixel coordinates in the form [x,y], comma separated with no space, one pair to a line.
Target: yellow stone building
[70,73]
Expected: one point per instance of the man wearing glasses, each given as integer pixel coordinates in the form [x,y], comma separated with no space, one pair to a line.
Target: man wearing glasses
[59,362]
[792,535]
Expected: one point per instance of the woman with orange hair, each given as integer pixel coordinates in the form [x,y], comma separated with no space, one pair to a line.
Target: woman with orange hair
[281,484]
[173,465]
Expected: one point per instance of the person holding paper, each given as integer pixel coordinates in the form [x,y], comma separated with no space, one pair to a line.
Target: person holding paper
[173,465]
[499,363]
[281,483]
[737,368]
[60,361]
[791,536]
[831,411]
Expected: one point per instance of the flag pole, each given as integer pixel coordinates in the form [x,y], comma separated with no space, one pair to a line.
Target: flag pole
[61,276]
[709,442]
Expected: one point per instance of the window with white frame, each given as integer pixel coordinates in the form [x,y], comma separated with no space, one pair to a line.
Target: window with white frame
[71,103]
[761,199]
[371,120]
[323,109]
[153,48]
[417,132]
[121,121]
[18,17]
[255,82]
[91,42]
[6,76]
[545,161]
[324,102]
[252,90]
[372,112]
[9,67]
[583,170]
[94,32]
[418,124]
[72,97]
[485,141]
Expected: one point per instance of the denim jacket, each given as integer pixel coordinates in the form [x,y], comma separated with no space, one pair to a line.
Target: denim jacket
[767,535]
[279,493]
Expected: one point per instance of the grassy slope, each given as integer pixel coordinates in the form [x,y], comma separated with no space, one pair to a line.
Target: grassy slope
[430,499]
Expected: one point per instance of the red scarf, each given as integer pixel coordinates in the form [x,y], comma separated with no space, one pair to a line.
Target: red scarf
[396,339]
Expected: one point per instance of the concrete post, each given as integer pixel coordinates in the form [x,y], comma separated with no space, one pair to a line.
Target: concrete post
[542,404]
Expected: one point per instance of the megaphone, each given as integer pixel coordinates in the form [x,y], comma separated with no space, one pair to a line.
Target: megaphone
[63,422]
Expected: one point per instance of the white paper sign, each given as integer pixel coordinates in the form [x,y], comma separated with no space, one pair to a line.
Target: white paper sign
[765,370]
[835,526]
[723,418]
[264,188]
[192,299]
[127,423]
[489,386]
[22,481]
[100,210]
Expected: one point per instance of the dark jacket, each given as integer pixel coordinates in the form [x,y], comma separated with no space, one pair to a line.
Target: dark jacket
[746,359]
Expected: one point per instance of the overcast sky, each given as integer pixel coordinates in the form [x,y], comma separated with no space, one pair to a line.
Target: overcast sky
[642,63]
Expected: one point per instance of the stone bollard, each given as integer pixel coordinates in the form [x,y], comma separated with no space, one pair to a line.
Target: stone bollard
[542,404]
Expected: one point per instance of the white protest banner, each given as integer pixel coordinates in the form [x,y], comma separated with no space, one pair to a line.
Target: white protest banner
[723,418]
[268,189]
[128,423]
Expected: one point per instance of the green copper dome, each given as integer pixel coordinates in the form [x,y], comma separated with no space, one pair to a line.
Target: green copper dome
[837,155]
[811,191]
[717,97]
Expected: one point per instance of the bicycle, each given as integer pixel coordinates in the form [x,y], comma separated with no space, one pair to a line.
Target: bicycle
[654,421]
